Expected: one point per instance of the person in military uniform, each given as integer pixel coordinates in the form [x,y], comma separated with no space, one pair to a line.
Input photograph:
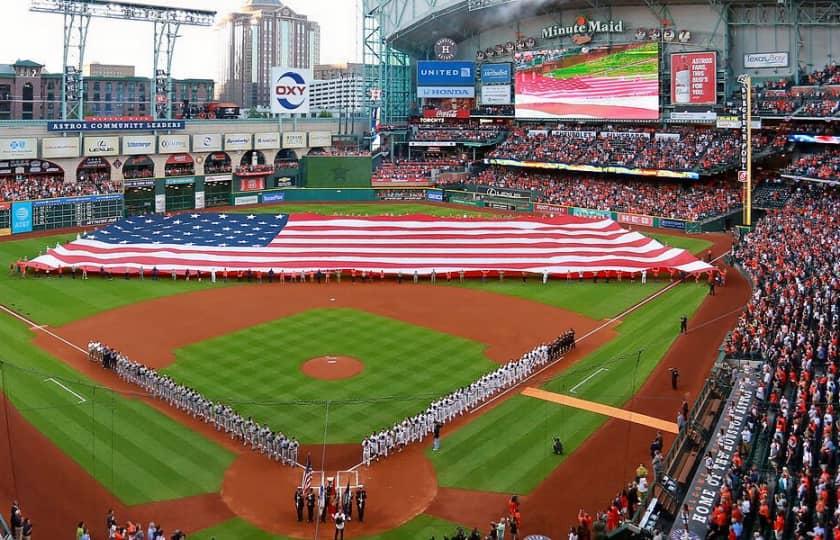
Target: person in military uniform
[361,502]
[310,505]
[299,503]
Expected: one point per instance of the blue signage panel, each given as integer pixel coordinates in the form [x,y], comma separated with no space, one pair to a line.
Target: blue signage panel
[436,73]
[434,195]
[21,217]
[276,196]
[114,125]
[672,224]
[495,73]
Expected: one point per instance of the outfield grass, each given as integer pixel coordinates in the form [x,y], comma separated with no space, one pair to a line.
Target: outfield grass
[54,301]
[509,448]
[420,528]
[370,209]
[698,246]
[136,452]
[254,369]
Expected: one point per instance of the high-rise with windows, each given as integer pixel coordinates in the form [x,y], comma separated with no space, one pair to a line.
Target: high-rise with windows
[262,34]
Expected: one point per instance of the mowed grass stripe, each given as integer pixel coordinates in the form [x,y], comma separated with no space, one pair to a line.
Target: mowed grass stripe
[257,371]
[138,453]
[508,449]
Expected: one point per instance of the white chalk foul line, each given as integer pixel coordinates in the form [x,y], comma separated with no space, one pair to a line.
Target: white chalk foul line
[42,328]
[573,389]
[81,398]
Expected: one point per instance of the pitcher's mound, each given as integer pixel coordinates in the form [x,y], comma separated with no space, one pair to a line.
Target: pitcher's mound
[332,367]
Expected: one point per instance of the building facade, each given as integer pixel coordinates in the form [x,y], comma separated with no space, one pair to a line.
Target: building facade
[337,88]
[28,92]
[260,35]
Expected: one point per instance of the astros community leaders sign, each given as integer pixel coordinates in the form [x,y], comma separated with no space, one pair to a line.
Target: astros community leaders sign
[84,125]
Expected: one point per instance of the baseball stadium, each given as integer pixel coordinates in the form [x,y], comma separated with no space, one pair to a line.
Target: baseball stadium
[570,271]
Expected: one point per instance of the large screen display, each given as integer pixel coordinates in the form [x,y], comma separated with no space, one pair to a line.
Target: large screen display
[617,82]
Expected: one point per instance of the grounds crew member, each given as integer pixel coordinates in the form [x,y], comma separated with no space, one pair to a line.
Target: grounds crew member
[299,503]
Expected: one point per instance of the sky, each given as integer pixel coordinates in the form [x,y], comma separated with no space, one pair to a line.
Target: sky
[38,36]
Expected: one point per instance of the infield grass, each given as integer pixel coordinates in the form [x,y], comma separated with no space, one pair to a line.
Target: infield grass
[508,449]
[257,372]
[421,528]
[136,452]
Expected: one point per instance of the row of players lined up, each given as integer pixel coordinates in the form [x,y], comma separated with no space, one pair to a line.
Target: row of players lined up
[276,446]
[462,401]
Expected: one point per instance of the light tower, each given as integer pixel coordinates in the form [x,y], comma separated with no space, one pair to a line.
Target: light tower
[77,15]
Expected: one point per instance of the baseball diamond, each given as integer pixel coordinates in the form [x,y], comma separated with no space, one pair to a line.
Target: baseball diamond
[461,270]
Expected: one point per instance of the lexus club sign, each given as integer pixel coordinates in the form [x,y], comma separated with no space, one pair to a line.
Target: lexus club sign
[290,90]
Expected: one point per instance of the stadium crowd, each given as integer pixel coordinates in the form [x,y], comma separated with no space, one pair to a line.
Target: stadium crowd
[814,96]
[260,438]
[792,326]
[824,165]
[693,201]
[40,186]
[412,171]
[484,134]
[680,149]
[462,401]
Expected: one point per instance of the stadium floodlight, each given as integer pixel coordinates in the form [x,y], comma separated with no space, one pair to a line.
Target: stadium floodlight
[474,5]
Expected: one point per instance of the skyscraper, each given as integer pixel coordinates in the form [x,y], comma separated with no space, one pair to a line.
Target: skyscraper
[262,34]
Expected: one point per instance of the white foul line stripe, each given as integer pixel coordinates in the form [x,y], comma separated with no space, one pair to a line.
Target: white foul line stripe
[578,385]
[34,326]
[81,399]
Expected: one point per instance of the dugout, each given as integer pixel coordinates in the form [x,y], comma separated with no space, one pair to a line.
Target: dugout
[179,193]
[217,189]
[139,196]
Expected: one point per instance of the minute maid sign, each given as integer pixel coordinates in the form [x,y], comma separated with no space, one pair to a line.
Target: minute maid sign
[583,27]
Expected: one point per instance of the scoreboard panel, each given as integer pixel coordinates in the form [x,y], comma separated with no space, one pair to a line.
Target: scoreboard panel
[76,211]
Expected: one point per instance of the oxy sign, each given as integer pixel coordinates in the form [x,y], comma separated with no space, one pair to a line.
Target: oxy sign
[290,89]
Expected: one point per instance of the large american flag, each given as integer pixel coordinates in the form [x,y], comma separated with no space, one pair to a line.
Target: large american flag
[303,242]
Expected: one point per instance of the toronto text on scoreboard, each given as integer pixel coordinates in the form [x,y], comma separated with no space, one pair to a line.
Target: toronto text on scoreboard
[86,125]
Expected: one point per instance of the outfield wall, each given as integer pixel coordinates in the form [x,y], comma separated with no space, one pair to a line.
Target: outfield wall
[336,171]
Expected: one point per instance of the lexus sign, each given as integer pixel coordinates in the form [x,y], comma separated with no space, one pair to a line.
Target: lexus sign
[290,90]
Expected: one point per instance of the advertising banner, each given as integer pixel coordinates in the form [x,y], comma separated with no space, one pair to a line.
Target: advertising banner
[60,147]
[237,141]
[160,203]
[590,213]
[134,145]
[199,200]
[496,95]
[544,208]
[432,143]
[252,184]
[634,219]
[445,92]
[19,148]
[701,116]
[267,141]
[276,196]
[672,224]
[294,139]
[320,138]
[439,73]
[120,125]
[207,142]
[290,90]
[440,113]
[728,122]
[173,144]
[218,178]
[21,217]
[694,78]
[763,60]
[102,146]
[248,199]
[496,73]
[180,181]
[138,182]
[434,195]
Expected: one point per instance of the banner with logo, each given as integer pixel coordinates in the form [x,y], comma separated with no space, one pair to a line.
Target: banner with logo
[21,217]
[247,199]
[763,60]
[102,146]
[237,141]
[207,142]
[694,78]
[60,147]
[634,219]
[19,148]
[432,143]
[275,196]
[672,224]
[434,195]
[160,203]
[495,73]
[544,208]
[133,145]
[199,200]
[173,144]
[728,122]
[438,113]
[290,90]
[320,138]
[445,92]
[498,94]
[179,181]
[441,73]
[590,213]
[698,116]
[294,139]
[218,178]
[267,141]
[252,184]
